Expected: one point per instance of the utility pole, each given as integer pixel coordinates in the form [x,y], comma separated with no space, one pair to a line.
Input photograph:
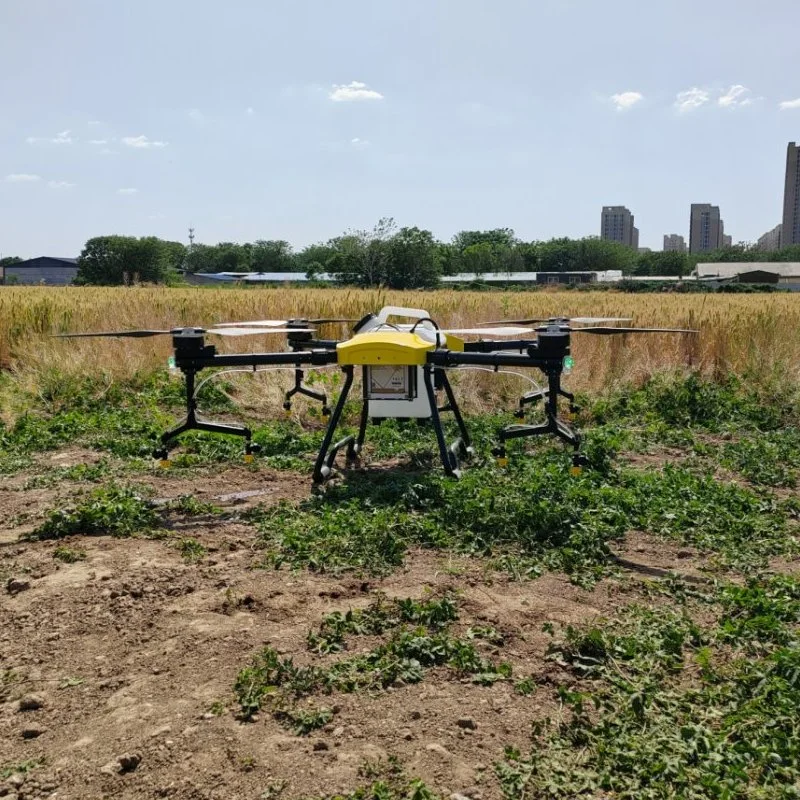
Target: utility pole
[191,238]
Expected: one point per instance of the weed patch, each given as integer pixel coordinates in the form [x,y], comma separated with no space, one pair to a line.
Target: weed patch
[419,639]
[109,510]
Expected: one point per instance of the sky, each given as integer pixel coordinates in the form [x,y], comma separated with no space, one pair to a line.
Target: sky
[300,119]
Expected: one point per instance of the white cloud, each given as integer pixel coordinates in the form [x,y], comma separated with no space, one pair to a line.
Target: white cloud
[22,177]
[250,111]
[359,143]
[626,100]
[141,142]
[98,141]
[127,191]
[691,99]
[350,92]
[94,122]
[788,105]
[60,184]
[106,152]
[735,96]
[60,138]
[196,115]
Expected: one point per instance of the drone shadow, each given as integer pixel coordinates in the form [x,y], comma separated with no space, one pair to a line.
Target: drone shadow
[387,485]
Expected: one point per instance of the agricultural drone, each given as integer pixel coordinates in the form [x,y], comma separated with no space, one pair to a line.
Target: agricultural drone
[404,368]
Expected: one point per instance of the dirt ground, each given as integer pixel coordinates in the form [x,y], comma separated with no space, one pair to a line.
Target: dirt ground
[125,653]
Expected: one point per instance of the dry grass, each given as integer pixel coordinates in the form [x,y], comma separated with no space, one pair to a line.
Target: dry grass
[753,335]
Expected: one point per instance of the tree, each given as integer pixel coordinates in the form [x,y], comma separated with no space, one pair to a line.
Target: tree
[669,262]
[412,260]
[498,237]
[271,256]
[314,259]
[360,257]
[123,260]
[7,261]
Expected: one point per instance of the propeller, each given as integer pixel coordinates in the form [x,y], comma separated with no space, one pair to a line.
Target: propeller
[539,320]
[506,330]
[175,331]
[278,323]
[606,331]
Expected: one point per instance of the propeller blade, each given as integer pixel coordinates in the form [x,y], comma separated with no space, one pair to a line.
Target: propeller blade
[255,331]
[506,330]
[597,320]
[325,321]
[540,320]
[255,323]
[517,321]
[128,334]
[604,331]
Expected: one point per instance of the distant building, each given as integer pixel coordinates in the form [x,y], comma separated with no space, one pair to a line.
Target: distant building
[645,249]
[771,240]
[727,241]
[674,242]
[791,197]
[616,225]
[499,278]
[786,275]
[706,229]
[47,270]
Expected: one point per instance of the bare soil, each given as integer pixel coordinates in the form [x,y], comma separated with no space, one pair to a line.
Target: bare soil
[130,649]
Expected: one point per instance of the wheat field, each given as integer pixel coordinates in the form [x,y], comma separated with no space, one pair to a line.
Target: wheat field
[756,336]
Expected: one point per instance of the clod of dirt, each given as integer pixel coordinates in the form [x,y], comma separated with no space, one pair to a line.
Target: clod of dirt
[33,732]
[440,749]
[466,723]
[320,745]
[17,585]
[31,702]
[406,734]
[457,796]
[16,780]
[122,764]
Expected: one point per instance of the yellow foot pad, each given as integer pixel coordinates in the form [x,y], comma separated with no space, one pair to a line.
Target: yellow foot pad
[502,461]
[164,463]
[576,470]
[248,458]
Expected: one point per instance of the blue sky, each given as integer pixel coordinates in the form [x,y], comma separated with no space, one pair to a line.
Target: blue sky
[299,119]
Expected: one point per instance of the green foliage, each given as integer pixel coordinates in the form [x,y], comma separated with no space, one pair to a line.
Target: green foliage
[761,611]
[766,459]
[378,617]
[23,767]
[418,640]
[125,260]
[191,550]
[304,721]
[69,555]
[658,727]
[109,510]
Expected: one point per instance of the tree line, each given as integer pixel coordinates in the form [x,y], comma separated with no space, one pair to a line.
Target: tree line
[391,256]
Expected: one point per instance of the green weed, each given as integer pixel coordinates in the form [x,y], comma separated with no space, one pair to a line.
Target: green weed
[191,550]
[69,555]
[109,510]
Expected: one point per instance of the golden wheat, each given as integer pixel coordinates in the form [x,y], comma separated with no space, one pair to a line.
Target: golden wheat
[753,335]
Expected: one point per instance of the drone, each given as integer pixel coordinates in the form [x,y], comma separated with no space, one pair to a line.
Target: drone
[404,368]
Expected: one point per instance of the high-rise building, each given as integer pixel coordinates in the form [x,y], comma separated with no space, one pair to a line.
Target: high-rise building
[771,240]
[791,197]
[727,241]
[706,229]
[616,225]
[674,242]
